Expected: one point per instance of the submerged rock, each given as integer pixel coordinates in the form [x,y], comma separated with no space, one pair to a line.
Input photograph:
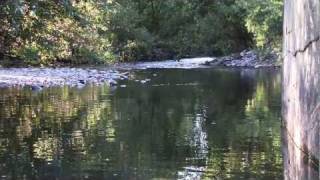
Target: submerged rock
[143,81]
[112,82]
[82,81]
[36,88]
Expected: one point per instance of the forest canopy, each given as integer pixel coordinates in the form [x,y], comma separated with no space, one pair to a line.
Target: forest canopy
[103,31]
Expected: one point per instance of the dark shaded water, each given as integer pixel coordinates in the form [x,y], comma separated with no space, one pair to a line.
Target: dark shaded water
[200,123]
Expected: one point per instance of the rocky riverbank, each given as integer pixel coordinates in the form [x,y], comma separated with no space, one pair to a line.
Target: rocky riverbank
[246,59]
[38,78]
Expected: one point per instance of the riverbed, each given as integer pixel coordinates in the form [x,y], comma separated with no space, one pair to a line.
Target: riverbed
[155,123]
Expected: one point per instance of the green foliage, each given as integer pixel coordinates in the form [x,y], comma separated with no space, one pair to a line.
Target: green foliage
[264,21]
[29,53]
[102,31]
[44,32]
[179,28]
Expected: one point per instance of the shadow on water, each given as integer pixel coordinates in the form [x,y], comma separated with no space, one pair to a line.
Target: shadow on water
[200,123]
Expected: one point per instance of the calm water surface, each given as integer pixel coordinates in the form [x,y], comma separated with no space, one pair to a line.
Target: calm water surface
[196,124]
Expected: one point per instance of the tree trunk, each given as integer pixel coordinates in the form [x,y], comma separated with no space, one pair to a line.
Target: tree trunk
[301,88]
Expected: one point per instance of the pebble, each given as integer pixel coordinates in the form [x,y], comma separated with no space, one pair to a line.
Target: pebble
[145,81]
[112,82]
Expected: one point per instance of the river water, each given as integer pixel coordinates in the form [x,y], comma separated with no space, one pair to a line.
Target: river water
[176,124]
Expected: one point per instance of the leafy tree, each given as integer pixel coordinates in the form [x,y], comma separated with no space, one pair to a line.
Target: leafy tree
[264,20]
[100,31]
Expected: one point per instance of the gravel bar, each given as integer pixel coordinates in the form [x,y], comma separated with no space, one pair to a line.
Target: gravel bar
[48,77]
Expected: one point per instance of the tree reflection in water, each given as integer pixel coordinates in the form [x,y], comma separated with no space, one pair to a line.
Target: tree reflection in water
[184,123]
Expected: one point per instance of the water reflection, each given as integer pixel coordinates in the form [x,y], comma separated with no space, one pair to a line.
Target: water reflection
[183,124]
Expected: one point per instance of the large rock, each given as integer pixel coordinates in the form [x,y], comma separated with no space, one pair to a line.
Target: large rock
[301,88]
